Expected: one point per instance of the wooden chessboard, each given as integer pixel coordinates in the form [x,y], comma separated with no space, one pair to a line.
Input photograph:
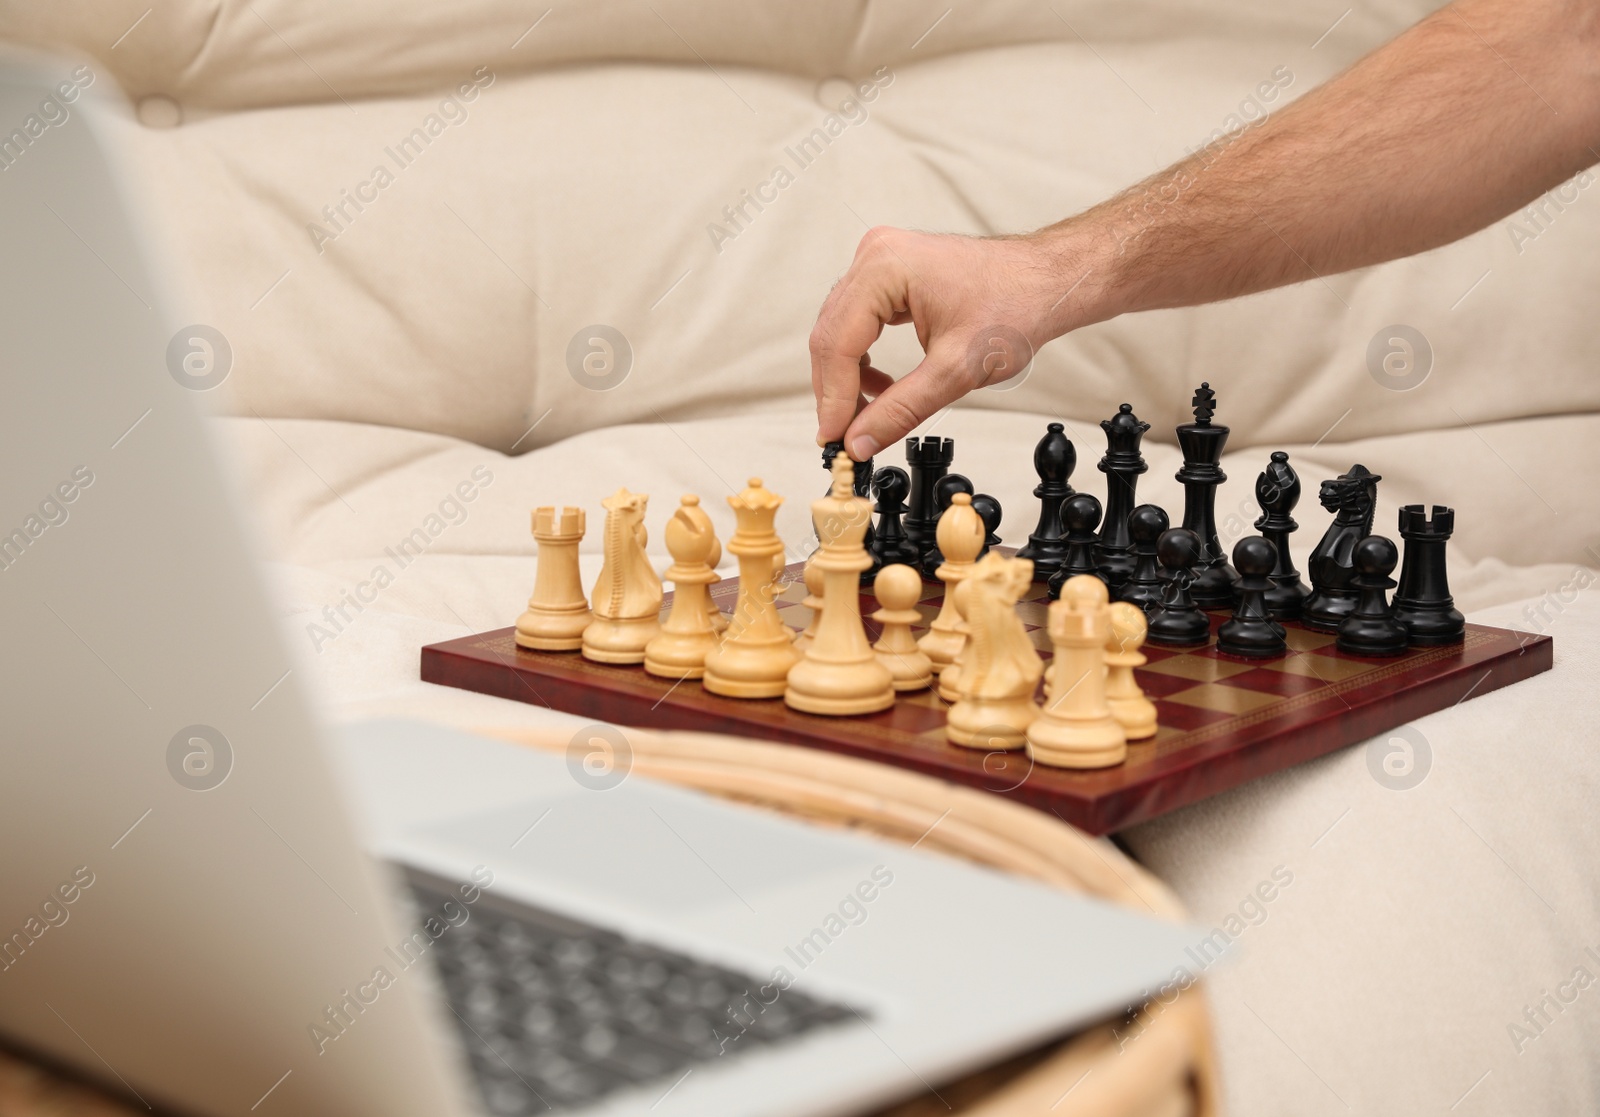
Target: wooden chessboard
[1223,720]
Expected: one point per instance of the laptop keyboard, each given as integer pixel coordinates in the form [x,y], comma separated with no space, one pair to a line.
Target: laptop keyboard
[555,1014]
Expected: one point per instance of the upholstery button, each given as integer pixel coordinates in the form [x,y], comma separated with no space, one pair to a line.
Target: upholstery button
[159,111]
[835,91]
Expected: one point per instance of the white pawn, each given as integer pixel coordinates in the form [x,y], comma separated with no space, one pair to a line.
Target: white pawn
[897,588]
[1076,728]
[813,601]
[719,619]
[1135,712]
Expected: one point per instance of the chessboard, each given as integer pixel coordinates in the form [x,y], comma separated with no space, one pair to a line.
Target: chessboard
[1223,720]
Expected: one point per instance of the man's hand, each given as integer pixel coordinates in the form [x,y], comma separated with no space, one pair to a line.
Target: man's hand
[981,308]
[1468,116]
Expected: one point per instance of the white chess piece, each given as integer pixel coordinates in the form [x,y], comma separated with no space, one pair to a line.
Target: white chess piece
[1076,728]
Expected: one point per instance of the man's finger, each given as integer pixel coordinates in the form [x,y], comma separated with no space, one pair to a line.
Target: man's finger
[903,406]
[850,321]
[874,381]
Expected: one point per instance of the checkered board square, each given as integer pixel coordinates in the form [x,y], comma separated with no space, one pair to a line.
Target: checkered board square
[1223,720]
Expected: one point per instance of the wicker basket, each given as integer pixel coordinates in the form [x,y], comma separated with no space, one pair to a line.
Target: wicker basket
[1155,1063]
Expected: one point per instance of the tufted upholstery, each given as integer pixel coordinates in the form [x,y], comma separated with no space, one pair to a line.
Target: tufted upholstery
[567,167]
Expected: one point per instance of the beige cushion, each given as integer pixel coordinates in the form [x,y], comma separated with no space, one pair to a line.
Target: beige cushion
[578,188]
[1384,977]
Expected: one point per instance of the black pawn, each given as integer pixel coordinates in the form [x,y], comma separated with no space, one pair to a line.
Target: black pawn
[1371,628]
[1145,525]
[1113,554]
[1251,631]
[1053,460]
[988,510]
[944,490]
[891,485]
[1081,514]
[1179,621]
[1423,603]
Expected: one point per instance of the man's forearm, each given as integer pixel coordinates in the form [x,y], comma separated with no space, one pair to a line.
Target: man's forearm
[1465,118]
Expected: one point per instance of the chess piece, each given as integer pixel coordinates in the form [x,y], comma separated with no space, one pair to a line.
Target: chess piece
[557,612]
[929,460]
[679,650]
[1202,442]
[1277,492]
[1076,728]
[891,485]
[1133,711]
[1144,587]
[839,674]
[1251,631]
[1351,497]
[1000,668]
[988,510]
[1371,627]
[1423,603]
[719,619]
[813,601]
[1178,621]
[944,490]
[1122,464]
[960,538]
[1053,460]
[626,601]
[1081,514]
[863,488]
[757,650]
[897,589]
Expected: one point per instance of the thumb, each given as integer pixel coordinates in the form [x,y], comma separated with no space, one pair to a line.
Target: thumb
[907,404]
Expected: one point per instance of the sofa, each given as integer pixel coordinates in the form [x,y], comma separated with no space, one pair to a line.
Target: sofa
[470,258]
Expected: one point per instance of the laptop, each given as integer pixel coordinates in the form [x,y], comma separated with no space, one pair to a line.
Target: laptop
[211,903]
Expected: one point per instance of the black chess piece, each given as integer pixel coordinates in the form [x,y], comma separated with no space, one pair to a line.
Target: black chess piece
[1179,621]
[1143,587]
[989,511]
[1277,492]
[1371,627]
[1251,631]
[928,459]
[1122,464]
[944,489]
[1053,460]
[1423,603]
[891,485]
[1202,442]
[1080,512]
[862,487]
[1351,497]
